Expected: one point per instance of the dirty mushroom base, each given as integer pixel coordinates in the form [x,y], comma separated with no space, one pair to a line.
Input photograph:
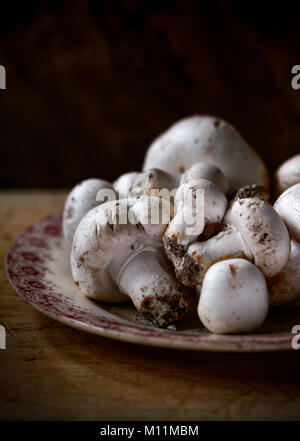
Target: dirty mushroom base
[251,191]
[185,267]
[163,311]
[162,298]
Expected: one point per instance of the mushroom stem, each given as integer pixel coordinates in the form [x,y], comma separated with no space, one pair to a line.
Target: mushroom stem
[213,250]
[147,279]
[201,255]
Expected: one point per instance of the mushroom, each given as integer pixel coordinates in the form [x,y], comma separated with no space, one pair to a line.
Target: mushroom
[234,297]
[180,232]
[288,208]
[155,178]
[251,230]
[118,253]
[208,171]
[287,175]
[209,139]
[123,184]
[201,176]
[81,199]
[285,286]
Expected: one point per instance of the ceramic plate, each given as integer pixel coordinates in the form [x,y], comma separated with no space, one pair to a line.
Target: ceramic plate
[38,269]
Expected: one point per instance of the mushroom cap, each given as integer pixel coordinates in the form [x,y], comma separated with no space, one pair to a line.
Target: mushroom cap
[154,179]
[80,200]
[100,238]
[288,208]
[215,203]
[214,208]
[207,139]
[123,184]
[208,171]
[234,297]
[285,286]
[287,175]
[263,231]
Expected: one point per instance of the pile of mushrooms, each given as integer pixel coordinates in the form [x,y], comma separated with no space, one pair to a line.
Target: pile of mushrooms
[243,260]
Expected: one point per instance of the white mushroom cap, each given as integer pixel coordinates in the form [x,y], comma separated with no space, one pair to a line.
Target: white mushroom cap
[80,200]
[285,286]
[233,298]
[288,174]
[207,139]
[288,208]
[110,257]
[99,239]
[214,204]
[123,184]
[264,232]
[154,179]
[208,171]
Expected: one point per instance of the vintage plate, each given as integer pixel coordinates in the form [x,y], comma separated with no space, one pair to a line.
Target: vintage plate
[37,267]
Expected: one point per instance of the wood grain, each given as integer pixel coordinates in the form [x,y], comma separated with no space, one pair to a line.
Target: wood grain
[50,371]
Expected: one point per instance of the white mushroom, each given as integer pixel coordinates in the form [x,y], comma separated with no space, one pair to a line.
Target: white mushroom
[81,199]
[195,178]
[123,184]
[234,297]
[264,232]
[112,259]
[207,139]
[252,230]
[285,286]
[179,231]
[208,171]
[154,179]
[287,175]
[157,179]
[288,207]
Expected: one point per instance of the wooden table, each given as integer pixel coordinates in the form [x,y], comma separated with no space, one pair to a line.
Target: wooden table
[50,371]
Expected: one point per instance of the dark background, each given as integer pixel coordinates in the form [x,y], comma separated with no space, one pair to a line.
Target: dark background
[91,83]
